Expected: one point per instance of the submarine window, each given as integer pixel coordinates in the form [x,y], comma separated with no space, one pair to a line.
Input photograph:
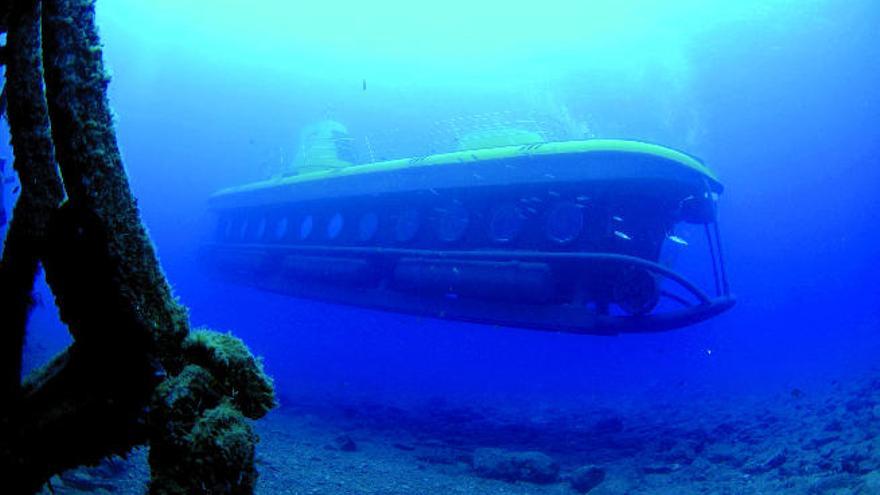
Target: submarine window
[281,229]
[451,222]
[506,223]
[227,229]
[698,209]
[564,222]
[242,231]
[334,226]
[368,226]
[305,227]
[407,225]
[261,229]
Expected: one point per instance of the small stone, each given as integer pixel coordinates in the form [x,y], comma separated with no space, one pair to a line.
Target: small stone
[344,443]
[534,467]
[872,481]
[819,442]
[586,478]
[723,453]
[851,463]
[772,462]
[661,468]
[680,454]
[840,483]
[444,456]
[775,461]
[856,404]
[834,425]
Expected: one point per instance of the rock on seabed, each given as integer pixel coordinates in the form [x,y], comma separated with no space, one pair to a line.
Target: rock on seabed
[585,478]
[533,467]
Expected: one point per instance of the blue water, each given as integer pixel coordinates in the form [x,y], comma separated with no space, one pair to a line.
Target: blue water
[780,99]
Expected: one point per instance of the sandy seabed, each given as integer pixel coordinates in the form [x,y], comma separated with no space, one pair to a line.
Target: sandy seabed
[796,443]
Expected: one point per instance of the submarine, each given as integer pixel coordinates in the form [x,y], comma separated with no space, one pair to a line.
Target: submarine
[509,229]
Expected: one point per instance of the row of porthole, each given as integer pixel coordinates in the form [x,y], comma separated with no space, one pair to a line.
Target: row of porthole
[369,224]
[564,223]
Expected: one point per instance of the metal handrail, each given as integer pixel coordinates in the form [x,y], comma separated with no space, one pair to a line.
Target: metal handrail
[656,268]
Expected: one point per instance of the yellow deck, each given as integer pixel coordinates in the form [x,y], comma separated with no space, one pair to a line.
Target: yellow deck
[559,148]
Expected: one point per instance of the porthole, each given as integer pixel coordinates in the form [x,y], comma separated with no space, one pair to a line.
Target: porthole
[334,226]
[281,229]
[407,226]
[506,223]
[564,222]
[242,230]
[451,222]
[306,226]
[368,226]
[227,229]
[261,230]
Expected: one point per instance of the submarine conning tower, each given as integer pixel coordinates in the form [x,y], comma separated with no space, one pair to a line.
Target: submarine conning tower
[323,146]
[510,230]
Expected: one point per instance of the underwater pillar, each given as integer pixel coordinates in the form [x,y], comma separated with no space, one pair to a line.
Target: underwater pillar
[41,191]
[99,197]
[121,382]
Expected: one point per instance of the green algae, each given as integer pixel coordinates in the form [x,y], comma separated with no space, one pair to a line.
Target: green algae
[132,376]
[201,442]
[239,373]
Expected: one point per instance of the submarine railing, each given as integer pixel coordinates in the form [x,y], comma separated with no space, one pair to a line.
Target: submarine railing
[651,266]
[596,324]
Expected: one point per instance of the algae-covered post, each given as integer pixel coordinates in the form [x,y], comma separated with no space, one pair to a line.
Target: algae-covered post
[121,382]
[98,191]
[41,191]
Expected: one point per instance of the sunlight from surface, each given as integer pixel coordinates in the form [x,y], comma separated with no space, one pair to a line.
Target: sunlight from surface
[480,42]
